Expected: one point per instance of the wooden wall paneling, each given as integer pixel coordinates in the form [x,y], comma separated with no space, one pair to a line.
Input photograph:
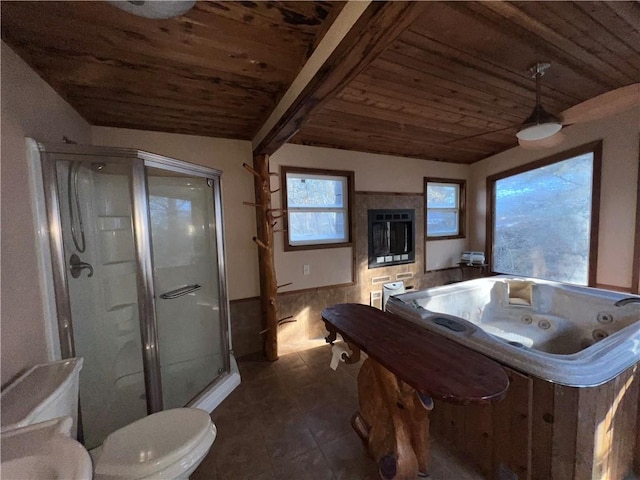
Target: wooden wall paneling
[636,450]
[512,428]
[448,425]
[478,439]
[627,393]
[592,432]
[436,420]
[547,431]
[458,427]
[635,271]
[542,429]
[468,429]
[563,449]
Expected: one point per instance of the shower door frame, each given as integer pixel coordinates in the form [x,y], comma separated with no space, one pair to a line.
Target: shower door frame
[49,154]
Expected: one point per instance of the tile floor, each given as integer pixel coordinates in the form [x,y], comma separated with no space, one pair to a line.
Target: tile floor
[290,419]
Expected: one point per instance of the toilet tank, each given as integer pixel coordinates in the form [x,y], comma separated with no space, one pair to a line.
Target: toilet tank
[43,392]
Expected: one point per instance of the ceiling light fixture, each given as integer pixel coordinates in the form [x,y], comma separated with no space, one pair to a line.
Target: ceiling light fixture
[154,8]
[540,124]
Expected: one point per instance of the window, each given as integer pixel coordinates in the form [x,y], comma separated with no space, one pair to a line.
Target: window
[544,217]
[444,199]
[318,204]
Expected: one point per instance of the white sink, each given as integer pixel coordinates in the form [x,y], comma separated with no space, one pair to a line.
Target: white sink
[44,451]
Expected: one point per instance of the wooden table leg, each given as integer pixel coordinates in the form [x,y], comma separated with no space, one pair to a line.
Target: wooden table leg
[393,421]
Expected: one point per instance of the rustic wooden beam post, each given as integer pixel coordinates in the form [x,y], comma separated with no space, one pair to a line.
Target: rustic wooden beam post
[264,240]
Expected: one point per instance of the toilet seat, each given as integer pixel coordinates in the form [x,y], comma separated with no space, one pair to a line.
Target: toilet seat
[162,445]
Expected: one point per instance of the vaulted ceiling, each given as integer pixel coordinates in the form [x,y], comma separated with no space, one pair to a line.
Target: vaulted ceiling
[453,86]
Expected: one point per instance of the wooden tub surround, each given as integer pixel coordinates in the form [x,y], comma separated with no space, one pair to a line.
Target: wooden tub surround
[407,367]
[546,431]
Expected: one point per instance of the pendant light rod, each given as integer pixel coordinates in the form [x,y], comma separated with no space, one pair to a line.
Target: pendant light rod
[537,71]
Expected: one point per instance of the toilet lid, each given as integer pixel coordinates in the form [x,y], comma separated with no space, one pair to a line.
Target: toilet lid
[153,443]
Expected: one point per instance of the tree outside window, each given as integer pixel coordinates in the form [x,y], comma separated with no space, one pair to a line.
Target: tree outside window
[543,221]
[318,207]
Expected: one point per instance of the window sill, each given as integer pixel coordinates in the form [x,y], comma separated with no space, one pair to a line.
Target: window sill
[449,237]
[316,246]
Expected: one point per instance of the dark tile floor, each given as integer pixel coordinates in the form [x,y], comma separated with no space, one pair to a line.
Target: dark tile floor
[290,419]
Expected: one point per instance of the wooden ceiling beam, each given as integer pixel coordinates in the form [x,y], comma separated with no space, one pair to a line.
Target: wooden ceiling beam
[375,29]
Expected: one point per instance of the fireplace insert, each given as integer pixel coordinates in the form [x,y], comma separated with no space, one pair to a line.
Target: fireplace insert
[391,237]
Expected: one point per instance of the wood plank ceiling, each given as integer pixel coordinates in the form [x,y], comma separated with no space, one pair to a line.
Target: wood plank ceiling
[216,71]
[460,71]
[452,87]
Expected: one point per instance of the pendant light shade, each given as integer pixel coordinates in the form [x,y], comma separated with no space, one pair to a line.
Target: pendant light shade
[154,8]
[540,124]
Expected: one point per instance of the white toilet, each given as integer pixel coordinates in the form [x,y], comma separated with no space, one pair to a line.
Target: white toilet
[166,445]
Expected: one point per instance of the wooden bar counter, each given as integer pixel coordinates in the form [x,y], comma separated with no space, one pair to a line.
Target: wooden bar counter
[406,367]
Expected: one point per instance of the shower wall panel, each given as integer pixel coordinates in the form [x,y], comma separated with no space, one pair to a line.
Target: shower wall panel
[104,306]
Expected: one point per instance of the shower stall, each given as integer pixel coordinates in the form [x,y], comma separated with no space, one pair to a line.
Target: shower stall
[138,272]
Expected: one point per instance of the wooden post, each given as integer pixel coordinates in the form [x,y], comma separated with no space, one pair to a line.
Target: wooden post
[264,240]
[393,421]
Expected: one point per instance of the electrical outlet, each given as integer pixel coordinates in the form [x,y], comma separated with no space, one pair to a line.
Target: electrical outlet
[306,269]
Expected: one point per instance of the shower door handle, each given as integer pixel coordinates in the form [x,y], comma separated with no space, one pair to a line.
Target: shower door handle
[76,266]
[178,292]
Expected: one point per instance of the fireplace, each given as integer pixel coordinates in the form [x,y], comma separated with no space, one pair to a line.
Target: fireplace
[391,237]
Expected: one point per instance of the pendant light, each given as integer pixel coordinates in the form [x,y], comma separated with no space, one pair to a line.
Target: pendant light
[540,124]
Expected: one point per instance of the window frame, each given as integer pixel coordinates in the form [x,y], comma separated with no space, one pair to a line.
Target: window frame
[593,147]
[462,200]
[348,175]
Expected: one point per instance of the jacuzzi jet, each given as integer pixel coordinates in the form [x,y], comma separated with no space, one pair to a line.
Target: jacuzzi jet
[599,335]
[528,319]
[544,324]
[604,317]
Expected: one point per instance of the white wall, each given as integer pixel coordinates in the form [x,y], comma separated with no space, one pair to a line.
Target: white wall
[373,173]
[30,108]
[237,186]
[620,135]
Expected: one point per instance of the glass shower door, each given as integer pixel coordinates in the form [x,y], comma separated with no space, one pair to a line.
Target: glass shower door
[186,282]
[96,214]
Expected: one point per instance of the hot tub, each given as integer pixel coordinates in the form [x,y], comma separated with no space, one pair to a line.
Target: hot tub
[565,334]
